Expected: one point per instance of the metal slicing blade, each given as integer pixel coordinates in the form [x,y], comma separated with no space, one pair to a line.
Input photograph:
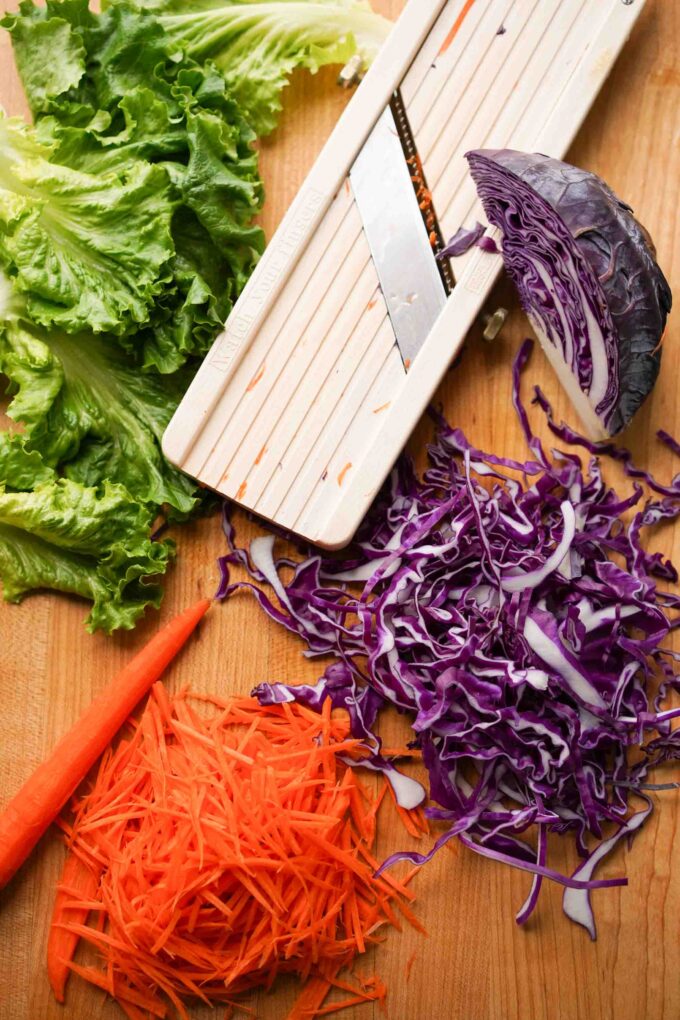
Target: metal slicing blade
[400,226]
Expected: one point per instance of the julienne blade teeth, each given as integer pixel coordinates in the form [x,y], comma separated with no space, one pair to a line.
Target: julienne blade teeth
[420,185]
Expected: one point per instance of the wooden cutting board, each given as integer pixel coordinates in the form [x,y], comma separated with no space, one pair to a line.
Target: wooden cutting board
[476,964]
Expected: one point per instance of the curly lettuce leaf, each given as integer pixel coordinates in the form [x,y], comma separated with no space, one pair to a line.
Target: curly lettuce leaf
[84,541]
[81,534]
[20,468]
[258,43]
[50,58]
[140,99]
[87,250]
[255,43]
[186,320]
[117,52]
[86,406]
[217,190]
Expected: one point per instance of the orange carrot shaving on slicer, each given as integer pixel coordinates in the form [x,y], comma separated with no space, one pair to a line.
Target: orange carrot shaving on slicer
[228,843]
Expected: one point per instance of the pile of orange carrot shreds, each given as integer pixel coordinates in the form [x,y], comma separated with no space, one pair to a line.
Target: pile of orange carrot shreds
[217,849]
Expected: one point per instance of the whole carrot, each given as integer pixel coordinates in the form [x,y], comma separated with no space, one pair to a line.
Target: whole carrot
[41,798]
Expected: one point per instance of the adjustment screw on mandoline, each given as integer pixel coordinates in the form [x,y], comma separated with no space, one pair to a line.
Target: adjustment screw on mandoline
[493,323]
[352,72]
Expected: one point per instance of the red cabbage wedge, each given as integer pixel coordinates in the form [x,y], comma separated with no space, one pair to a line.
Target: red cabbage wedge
[587,277]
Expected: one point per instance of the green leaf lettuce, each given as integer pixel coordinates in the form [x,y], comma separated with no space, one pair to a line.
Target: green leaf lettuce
[258,43]
[140,100]
[85,249]
[84,541]
[86,407]
[21,469]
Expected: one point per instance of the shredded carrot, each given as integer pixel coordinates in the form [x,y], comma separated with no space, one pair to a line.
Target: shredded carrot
[335,1007]
[80,882]
[341,476]
[465,10]
[311,998]
[413,821]
[255,380]
[661,341]
[409,964]
[225,848]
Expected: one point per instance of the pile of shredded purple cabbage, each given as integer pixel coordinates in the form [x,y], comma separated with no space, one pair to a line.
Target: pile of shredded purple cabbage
[521,624]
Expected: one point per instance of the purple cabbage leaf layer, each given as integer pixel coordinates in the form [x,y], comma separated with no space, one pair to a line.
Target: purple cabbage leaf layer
[587,277]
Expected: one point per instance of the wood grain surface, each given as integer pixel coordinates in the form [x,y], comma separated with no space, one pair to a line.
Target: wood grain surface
[476,964]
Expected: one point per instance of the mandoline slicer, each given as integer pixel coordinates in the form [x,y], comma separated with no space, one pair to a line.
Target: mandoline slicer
[349,322]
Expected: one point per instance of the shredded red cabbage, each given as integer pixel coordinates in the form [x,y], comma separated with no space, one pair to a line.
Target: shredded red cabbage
[462,241]
[511,609]
[488,244]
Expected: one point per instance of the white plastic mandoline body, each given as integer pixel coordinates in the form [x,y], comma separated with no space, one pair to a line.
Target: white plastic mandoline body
[303,403]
